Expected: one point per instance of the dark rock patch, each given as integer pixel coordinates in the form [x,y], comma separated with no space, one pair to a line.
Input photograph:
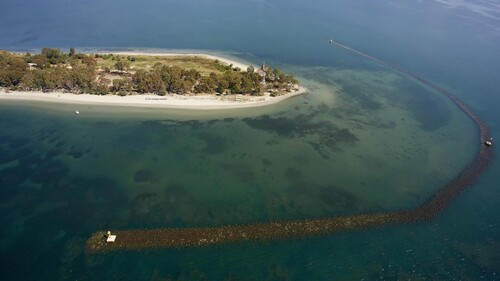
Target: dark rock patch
[18,142]
[13,176]
[49,171]
[280,125]
[5,139]
[53,139]
[344,135]
[327,132]
[60,143]
[30,160]
[145,176]
[301,160]
[194,124]
[23,153]
[52,153]
[266,162]
[241,172]
[361,95]
[293,175]
[332,198]
[213,144]
[61,191]
[428,109]
[7,156]
[76,153]
[338,198]
[175,193]
[320,149]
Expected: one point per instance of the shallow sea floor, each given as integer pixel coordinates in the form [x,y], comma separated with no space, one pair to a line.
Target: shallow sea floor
[359,141]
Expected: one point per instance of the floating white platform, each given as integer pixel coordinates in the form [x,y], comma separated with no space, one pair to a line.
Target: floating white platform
[110,238]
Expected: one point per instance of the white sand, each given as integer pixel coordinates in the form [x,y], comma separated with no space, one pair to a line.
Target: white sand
[200,102]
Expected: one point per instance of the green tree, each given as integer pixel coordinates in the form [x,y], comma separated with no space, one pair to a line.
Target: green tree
[233,80]
[89,61]
[278,74]
[148,82]
[101,87]
[12,69]
[123,85]
[83,77]
[122,65]
[40,61]
[54,56]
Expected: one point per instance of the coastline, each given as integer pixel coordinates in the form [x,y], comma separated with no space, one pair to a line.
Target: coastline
[172,101]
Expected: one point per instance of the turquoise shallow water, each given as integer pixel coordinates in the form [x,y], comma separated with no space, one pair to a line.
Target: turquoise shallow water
[363,139]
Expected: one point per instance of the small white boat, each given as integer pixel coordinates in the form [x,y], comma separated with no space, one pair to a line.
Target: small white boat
[77,112]
[489,142]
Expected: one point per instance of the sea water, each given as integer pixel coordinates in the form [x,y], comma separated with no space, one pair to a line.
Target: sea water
[362,139]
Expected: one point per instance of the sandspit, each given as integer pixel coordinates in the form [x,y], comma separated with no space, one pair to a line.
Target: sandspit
[195,102]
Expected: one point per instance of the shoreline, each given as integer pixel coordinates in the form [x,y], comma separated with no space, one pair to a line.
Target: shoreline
[168,101]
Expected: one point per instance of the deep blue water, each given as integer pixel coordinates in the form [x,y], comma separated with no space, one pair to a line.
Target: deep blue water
[63,178]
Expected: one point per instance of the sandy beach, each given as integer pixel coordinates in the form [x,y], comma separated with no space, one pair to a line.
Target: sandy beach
[199,102]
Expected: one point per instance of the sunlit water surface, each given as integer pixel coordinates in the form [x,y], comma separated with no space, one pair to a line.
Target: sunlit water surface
[362,139]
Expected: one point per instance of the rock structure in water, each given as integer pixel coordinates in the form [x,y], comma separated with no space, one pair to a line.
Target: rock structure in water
[196,237]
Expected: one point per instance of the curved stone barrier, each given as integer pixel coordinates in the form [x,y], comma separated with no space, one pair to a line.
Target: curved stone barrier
[195,237]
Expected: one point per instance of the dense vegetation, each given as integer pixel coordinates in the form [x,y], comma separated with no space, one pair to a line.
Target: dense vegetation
[99,74]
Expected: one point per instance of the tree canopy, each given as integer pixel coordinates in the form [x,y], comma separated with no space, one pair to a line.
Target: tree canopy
[53,69]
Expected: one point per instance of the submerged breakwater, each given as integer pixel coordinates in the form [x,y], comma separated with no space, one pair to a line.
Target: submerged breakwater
[194,237]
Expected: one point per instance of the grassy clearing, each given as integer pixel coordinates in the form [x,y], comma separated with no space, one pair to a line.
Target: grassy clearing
[203,65]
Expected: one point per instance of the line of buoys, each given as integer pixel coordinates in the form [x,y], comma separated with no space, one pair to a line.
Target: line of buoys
[195,237]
